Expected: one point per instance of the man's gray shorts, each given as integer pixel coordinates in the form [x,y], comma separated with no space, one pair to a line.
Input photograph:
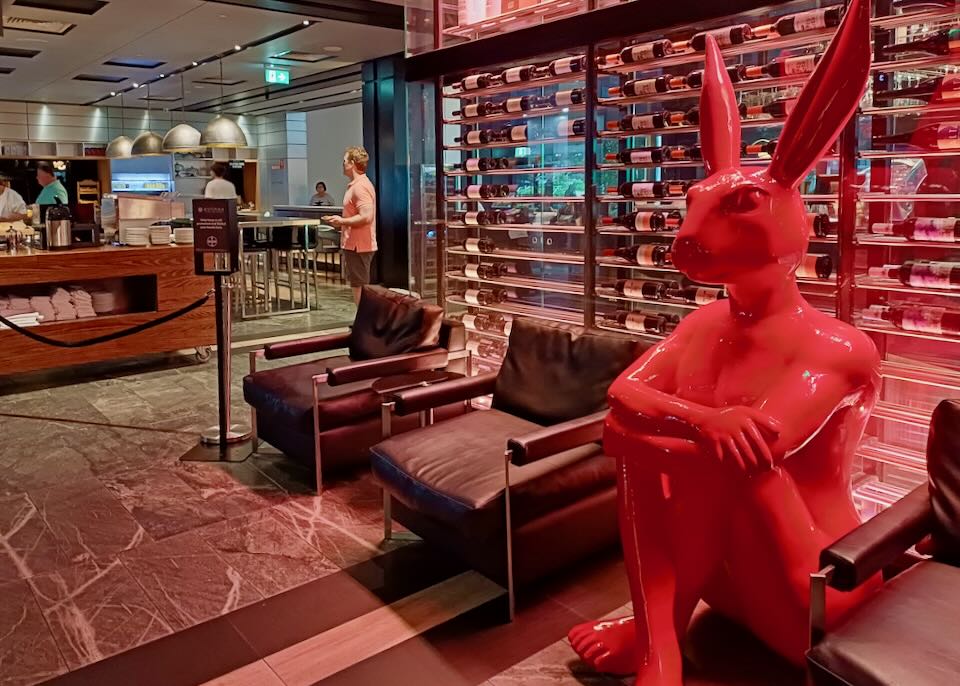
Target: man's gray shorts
[356,267]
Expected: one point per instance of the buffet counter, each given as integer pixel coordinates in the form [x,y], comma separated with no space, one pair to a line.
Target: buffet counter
[129,285]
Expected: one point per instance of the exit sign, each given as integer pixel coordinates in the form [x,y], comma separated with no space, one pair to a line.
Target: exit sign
[278,76]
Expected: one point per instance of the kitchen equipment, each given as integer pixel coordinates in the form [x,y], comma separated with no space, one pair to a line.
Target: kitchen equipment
[58,230]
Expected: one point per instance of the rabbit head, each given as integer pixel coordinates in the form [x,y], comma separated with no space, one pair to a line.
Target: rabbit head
[746,226]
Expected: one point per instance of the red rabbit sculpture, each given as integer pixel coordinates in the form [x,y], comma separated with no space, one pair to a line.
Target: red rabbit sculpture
[735,436]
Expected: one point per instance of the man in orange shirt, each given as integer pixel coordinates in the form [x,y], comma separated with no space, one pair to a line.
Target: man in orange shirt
[358,225]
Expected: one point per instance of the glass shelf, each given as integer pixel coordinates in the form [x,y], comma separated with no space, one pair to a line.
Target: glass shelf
[752,123]
[904,458]
[511,88]
[870,240]
[514,199]
[517,144]
[906,154]
[542,312]
[536,228]
[874,283]
[518,282]
[530,256]
[749,85]
[876,327]
[515,172]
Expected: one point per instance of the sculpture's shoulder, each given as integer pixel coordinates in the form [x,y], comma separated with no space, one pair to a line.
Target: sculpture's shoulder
[839,344]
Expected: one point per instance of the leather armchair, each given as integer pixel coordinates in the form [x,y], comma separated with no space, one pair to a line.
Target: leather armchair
[324,410]
[523,489]
[905,634]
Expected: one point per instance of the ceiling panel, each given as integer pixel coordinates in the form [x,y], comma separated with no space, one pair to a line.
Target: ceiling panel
[175,32]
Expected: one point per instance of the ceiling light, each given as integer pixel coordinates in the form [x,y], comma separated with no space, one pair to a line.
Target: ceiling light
[147,143]
[162,75]
[223,132]
[182,137]
[237,48]
[113,93]
[306,22]
[119,148]
[136,85]
[196,64]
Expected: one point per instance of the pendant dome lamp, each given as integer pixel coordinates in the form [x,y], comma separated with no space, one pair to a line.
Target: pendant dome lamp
[120,146]
[182,137]
[147,143]
[223,132]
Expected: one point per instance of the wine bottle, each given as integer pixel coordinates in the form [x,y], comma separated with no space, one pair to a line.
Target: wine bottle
[565,98]
[938,89]
[821,225]
[921,274]
[759,147]
[815,267]
[566,65]
[483,245]
[645,322]
[737,73]
[492,350]
[651,189]
[484,296]
[518,74]
[480,137]
[479,109]
[777,108]
[785,66]
[943,136]
[516,134]
[521,104]
[478,164]
[811,20]
[653,155]
[943,42]
[690,117]
[636,88]
[935,229]
[486,191]
[643,255]
[685,153]
[646,51]
[487,321]
[493,270]
[730,35]
[646,221]
[640,288]
[640,122]
[481,218]
[475,81]
[919,318]
[571,127]
[696,295]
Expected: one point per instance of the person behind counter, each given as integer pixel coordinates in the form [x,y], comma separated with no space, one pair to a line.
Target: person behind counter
[53,191]
[358,225]
[219,187]
[12,206]
[321,197]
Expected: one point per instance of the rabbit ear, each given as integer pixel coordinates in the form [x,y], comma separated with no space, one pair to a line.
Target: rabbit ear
[719,114]
[827,101]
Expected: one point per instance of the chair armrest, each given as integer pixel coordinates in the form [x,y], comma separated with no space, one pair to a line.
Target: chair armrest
[555,439]
[387,366]
[443,393]
[305,346]
[876,543]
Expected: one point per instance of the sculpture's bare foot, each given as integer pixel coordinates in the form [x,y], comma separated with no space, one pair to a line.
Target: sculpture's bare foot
[608,646]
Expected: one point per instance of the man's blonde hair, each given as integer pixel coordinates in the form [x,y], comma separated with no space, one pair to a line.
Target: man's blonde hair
[359,157]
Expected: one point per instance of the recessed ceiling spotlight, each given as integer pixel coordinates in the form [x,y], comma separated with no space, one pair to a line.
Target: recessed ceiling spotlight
[306,22]
[162,75]
[113,93]
[196,64]
[237,48]
[136,85]
[332,48]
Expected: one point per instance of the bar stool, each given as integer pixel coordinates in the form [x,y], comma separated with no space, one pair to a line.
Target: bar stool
[255,264]
[287,243]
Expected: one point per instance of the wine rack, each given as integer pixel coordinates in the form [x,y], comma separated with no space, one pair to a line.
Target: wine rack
[597,269]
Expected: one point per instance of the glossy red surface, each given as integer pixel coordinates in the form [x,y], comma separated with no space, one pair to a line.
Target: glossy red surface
[735,436]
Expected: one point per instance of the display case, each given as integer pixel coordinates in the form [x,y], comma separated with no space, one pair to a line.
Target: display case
[590,217]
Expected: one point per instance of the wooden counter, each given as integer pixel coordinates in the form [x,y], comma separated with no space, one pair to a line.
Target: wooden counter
[167,273]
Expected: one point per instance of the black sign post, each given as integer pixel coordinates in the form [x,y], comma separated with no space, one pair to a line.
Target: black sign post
[216,252]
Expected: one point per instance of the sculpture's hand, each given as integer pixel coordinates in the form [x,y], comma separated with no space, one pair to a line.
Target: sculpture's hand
[736,436]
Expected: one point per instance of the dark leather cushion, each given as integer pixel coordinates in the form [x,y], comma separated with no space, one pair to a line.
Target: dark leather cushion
[286,394]
[556,372]
[389,323]
[454,472]
[943,467]
[906,634]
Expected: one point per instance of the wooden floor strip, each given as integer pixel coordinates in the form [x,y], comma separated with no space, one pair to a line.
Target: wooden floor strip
[336,649]
[255,674]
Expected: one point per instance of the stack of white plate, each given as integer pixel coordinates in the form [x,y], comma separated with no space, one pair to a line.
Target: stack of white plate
[137,235]
[183,235]
[160,235]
